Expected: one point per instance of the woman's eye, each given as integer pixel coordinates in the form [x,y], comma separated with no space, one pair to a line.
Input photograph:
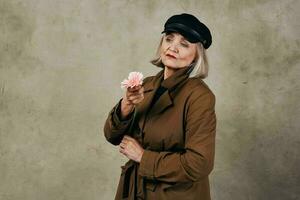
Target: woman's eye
[168,39]
[184,45]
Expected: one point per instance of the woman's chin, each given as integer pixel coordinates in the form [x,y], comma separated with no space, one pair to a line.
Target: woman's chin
[170,65]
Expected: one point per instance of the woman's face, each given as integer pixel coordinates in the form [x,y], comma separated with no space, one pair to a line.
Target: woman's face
[176,52]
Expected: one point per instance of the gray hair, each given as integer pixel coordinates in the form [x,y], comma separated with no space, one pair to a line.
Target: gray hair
[200,63]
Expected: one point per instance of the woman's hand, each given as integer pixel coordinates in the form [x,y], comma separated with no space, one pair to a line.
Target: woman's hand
[132,97]
[131,148]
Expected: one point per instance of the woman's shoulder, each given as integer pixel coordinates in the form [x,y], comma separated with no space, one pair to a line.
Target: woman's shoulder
[199,91]
[198,86]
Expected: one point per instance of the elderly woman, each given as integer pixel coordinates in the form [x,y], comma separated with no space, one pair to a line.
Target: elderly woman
[166,126]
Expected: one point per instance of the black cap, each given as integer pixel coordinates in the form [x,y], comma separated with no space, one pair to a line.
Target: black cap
[190,28]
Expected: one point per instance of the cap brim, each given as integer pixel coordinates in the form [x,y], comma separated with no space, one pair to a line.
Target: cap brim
[184,33]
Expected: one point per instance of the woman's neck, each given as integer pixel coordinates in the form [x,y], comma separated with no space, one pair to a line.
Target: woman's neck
[168,72]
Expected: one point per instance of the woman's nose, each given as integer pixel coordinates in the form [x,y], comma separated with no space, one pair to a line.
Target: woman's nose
[173,47]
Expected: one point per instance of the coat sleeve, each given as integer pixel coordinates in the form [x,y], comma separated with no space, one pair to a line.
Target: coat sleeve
[197,160]
[114,127]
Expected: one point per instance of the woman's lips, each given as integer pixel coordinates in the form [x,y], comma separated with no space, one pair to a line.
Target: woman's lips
[169,55]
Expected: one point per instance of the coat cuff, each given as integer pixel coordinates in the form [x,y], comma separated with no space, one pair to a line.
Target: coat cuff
[117,118]
[147,164]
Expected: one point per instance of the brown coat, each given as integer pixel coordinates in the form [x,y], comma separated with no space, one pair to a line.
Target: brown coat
[178,135]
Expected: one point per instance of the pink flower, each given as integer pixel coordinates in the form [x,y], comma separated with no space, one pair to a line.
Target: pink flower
[134,79]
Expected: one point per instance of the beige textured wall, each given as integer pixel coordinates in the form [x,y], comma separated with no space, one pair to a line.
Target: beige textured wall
[61,64]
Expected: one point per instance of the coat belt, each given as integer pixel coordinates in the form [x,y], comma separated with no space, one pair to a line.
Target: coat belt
[131,182]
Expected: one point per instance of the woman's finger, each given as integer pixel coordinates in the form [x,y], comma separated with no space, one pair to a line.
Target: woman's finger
[122,145]
[139,96]
[133,94]
[133,91]
[127,138]
[121,151]
[124,141]
[135,88]
[142,90]
[136,101]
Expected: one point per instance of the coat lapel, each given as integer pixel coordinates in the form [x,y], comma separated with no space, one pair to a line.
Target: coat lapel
[149,91]
[165,101]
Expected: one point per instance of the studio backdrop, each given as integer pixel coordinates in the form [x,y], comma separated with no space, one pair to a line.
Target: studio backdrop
[61,64]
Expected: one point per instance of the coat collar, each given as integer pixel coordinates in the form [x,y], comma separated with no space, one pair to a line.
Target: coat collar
[171,83]
[180,75]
